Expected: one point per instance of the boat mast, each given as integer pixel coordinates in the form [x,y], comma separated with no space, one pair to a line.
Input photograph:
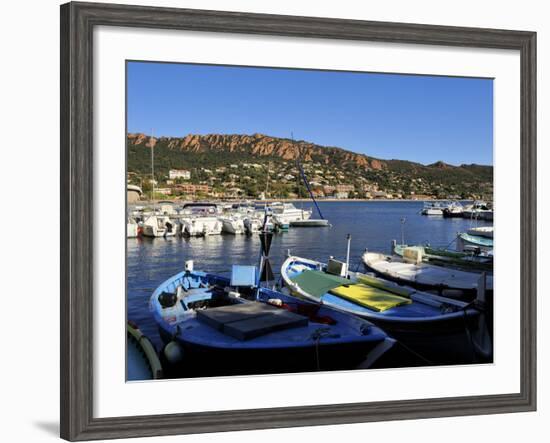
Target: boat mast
[299,188]
[348,254]
[152,170]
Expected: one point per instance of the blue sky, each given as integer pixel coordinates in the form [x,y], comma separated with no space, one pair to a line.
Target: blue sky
[388,116]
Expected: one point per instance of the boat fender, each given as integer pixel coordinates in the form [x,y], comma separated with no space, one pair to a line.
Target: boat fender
[167,299]
[173,353]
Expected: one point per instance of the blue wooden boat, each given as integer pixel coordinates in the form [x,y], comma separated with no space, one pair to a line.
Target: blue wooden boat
[228,326]
[440,329]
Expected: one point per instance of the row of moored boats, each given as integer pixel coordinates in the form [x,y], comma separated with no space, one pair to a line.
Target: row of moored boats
[477,210]
[198,219]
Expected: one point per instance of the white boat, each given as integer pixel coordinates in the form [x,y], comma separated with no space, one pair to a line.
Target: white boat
[131,228]
[232,224]
[285,213]
[200,219]
[252,224]
[432,209]
[424,276]
[158,226]
[483,231]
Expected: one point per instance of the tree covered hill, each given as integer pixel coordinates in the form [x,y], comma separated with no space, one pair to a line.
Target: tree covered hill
[325,165]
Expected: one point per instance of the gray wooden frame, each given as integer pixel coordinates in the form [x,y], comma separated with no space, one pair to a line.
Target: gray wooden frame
[77,23]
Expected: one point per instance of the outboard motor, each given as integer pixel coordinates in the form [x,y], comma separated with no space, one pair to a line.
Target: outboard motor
[167,299]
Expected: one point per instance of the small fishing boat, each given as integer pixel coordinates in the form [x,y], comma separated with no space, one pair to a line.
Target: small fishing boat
[437,328]
[468,242]
[142,361]
[412,272]
[227,326]
[442,257]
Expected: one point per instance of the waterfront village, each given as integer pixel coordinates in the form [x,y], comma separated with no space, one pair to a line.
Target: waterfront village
[282,180]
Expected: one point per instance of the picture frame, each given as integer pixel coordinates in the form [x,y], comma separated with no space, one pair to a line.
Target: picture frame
[77,211]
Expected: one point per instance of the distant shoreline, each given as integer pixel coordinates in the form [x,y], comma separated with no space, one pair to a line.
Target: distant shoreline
[328,200]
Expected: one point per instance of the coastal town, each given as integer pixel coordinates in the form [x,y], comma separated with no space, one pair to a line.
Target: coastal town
[228,171]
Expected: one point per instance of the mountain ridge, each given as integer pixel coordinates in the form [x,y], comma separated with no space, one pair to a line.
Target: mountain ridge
[325,165]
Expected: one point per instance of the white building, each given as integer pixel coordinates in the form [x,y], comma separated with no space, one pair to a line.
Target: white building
[179,173]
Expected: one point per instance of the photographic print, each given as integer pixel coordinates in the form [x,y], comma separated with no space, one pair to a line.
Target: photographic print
[284,220]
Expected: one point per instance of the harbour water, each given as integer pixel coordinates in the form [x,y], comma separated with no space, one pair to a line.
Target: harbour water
[372,225]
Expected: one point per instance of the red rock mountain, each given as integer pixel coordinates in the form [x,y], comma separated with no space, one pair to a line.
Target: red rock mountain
[259,145]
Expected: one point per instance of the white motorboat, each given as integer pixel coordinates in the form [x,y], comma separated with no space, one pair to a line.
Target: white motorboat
[232,224]
[158,226]
[286,213]
[200,219]
[252,224]
[432,209]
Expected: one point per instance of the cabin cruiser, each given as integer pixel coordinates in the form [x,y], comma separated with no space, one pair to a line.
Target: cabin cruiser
[158,226]
[199,219]
[233,224]
[286,213]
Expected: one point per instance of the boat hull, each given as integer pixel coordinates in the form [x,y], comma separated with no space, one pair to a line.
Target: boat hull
[443,338]
[202,360]
[320,223]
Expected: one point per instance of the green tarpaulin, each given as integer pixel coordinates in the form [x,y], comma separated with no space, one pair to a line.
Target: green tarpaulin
[317,283]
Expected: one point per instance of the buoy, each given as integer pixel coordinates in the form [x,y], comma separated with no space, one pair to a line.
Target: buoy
[173,353]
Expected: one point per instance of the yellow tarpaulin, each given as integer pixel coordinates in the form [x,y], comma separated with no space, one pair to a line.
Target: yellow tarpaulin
[372,298]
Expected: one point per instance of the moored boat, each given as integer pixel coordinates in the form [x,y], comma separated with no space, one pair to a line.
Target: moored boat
[232,224]
[412,272]
[158,226]
[452,210]
[230,326]
[468,242]
[482,231]
[200,219]
[442,257]
[437,328]
[432,209]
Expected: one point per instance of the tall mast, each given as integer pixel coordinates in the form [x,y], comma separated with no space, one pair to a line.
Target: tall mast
[152,169]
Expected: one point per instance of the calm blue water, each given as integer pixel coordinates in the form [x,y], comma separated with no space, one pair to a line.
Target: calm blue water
[372,225]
